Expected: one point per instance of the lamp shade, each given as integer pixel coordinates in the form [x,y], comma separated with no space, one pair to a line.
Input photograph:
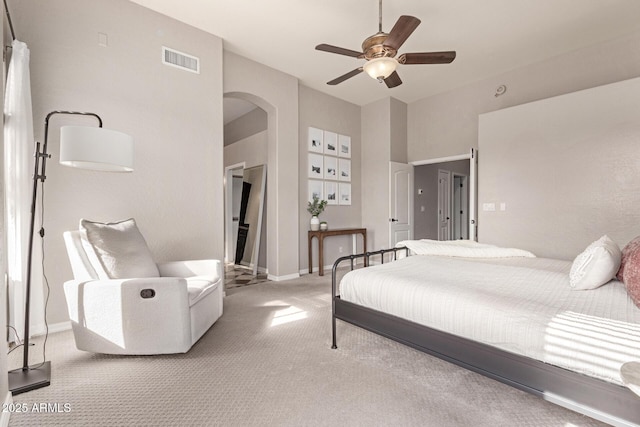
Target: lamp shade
[380,68]
[96,148]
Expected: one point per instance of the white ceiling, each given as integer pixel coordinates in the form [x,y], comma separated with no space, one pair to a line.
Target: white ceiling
[490,36]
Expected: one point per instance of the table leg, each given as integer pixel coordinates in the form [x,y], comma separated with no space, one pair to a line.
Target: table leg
[310,256]
[320,256]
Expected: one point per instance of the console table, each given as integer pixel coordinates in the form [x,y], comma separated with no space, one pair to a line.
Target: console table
[320,235]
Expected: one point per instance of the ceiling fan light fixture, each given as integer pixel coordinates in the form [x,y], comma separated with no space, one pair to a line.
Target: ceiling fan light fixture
[380,68]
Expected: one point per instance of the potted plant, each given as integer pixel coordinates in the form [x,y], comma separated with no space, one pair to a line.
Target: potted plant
[315,208]
[324,226]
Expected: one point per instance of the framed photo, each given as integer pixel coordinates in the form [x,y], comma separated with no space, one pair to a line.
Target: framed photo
[344,146]
[331,192]
[330,143]
[316,166]
[344,169]
[344,194]
[330,167]
[315,140]
[316,188]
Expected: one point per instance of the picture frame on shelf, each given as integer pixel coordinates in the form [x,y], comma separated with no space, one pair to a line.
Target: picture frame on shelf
[316,144]
[344,170]
[330,143]
[316,166]
[344,146]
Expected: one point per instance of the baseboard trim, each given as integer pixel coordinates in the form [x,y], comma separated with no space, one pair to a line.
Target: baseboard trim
[282,278]
[58,327]
[315,269]
[6,415]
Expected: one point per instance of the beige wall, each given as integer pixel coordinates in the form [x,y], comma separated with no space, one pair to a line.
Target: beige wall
[398,130]
[253,122]
[384,137]
[175,118]
[277,94]
[567,169]
[447,124]
[252,151]
[326,112]
[376,154]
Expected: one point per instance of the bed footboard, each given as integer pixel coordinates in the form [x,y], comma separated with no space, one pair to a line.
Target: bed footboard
[352,258]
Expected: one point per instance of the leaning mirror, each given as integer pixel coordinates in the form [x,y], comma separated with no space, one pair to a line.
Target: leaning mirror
[250,217]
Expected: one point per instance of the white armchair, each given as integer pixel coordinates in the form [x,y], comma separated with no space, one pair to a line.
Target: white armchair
[154,315]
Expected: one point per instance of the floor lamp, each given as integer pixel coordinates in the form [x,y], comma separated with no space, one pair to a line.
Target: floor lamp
[82,147]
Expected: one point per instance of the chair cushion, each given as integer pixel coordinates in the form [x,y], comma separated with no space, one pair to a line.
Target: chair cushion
[199,287]
[117,250]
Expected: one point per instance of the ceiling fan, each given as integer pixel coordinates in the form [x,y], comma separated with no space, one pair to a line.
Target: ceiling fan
[380,50]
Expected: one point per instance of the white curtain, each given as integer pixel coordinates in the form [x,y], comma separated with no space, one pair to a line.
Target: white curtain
[18,172]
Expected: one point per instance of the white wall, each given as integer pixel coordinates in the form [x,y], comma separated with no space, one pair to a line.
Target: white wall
[384,139]
[277,94]
[376,154]
[567,169]
[326,112]
[251,150]
[447,124]
[175,118]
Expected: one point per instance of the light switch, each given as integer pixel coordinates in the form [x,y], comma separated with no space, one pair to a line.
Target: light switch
[503,206]
[488,207]
[421,208]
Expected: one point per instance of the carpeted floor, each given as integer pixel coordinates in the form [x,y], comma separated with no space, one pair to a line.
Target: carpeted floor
[268,362]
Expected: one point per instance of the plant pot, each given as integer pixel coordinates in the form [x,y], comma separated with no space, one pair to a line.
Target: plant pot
[324,226]
[315,223]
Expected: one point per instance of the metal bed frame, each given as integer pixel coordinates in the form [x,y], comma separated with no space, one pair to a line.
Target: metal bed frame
[598,399]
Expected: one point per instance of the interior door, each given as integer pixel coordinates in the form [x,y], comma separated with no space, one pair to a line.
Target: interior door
[473,195]
[400,202]
[444,205]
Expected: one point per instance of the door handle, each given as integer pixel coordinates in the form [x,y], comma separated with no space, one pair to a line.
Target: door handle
[393,220]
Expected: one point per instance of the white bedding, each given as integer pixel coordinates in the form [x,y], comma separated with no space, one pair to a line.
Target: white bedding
[521,305]
[462,248]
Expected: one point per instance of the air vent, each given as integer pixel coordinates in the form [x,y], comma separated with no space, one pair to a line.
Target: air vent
[180,60]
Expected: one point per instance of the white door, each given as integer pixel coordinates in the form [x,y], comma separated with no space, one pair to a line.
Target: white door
[473,195]
[444,205]
[400,202]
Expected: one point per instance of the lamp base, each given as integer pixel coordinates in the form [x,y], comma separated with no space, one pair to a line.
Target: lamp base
[21,380]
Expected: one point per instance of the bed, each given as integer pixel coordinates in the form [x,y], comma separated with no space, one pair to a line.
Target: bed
[513,318]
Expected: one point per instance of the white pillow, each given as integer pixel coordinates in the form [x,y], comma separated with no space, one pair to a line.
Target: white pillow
[598,264]
[118,250]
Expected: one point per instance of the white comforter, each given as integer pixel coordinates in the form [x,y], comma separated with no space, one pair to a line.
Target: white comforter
[521,305]
[462,248]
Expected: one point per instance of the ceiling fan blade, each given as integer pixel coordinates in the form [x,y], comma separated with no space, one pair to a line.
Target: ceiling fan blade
[345,76]
[427,58]
[339,50]
[405,25]
[393,80]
